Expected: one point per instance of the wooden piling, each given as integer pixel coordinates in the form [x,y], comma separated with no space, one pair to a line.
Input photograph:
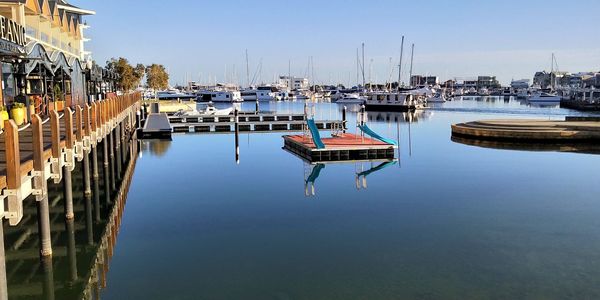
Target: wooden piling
[40,183]
[13,172]
[67,168]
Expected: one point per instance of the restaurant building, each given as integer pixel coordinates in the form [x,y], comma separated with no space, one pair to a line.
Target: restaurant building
[43,58]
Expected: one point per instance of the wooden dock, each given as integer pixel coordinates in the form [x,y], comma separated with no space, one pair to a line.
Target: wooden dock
[156,125]
[570,130]
[49,148]
[344,147]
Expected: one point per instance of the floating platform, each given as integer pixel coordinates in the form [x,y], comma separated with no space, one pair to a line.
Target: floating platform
[157,126]
[247,123]
[570,130]
[389,107]
[344,147]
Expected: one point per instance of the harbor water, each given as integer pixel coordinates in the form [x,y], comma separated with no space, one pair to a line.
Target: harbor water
[446,220]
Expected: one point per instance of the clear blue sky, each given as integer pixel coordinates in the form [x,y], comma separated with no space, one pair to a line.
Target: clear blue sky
[202,39]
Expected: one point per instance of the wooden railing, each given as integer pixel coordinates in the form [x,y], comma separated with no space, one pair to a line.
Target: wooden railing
[35,153]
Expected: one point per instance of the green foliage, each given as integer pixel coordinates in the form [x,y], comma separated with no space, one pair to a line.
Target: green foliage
[157,77]
[58,94]
[129,76]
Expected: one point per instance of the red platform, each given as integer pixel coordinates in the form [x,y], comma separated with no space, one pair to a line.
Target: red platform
[345,140]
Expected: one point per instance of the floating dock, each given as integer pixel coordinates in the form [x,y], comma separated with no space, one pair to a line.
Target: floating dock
[157,125]
[570,130]
[344,147]
[162,125]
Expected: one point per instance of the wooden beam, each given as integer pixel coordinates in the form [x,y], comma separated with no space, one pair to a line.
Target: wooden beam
[79,123]
[13,156]
[87,122]
[55,129]
[38,143]
[69,138]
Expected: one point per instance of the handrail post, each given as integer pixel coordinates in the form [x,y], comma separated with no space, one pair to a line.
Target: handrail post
[13,173]
[69,165]
[40,184]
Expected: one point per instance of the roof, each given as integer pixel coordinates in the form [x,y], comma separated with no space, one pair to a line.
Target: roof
[62,4]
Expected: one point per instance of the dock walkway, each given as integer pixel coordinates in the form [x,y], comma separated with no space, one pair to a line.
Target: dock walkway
[574,130]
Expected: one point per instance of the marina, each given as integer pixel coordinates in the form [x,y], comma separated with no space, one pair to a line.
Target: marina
[278,151]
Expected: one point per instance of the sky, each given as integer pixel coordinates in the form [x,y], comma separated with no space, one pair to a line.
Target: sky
[207,40]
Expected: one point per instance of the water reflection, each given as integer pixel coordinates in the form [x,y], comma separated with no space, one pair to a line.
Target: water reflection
[81,246]
[587,148]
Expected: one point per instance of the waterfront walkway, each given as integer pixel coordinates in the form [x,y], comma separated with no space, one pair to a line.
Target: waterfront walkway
[570,130]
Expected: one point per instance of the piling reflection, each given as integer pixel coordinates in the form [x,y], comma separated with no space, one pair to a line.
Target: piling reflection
[587,148]
[82,246]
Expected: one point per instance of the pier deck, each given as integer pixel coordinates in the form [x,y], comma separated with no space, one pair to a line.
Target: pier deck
[157,126]
[161,125]
[343,147]
[530,130]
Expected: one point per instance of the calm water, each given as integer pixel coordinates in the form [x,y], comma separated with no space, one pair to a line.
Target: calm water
[447,221]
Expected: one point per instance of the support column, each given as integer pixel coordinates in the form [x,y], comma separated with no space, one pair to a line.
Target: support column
[3,282]
[118,150]
[106,171]
[111,144]
[43,209]
[48,269]
[71,250]
[69,164]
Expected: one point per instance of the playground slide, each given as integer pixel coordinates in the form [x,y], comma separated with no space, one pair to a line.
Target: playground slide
[374,135]
[377,168]
[314,132]
[314,174]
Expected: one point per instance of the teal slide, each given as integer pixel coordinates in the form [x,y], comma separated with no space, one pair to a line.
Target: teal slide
[377,168]
[314,174]
[374,135]
[314,131]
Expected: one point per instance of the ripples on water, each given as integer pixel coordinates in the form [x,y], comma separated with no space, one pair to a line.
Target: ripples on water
[445,221]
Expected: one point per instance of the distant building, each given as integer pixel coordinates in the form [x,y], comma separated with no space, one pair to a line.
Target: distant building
[420,80]
[488,82]
[520,84]
[297,83]
[546,80]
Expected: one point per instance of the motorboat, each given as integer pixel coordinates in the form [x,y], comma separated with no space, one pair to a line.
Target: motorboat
[265,93]
[437,98]
[544,98]
[173,95]
[351,98]
[210,109]
[219,96]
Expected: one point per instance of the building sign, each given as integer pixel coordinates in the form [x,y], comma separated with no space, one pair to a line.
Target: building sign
[12,37]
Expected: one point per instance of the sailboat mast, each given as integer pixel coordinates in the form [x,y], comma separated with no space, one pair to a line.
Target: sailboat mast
[247,70]
[412,55]
[363,65]
[400,64]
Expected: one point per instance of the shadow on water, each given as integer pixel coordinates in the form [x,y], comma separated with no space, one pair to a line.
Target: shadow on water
[587,148]
[82,247]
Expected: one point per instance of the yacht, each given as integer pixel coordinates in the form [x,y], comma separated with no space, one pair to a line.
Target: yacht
[173,95]
[219,96]
[544,98]
[265,93]
[394,101]
[210,109]
[437,98]
[351,98]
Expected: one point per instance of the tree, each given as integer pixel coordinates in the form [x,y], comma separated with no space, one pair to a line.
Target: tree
[157,77]
[129,77]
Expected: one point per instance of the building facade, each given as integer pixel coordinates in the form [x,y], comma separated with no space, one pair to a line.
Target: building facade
[44,62]
[420,80]
[297,83]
